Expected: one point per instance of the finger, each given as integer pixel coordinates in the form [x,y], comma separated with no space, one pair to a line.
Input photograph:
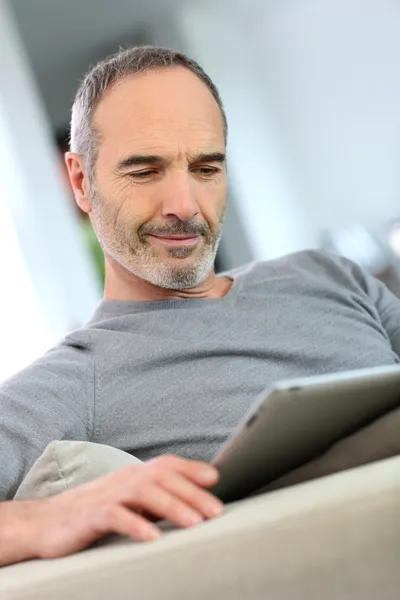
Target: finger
[199,472]
[157,501]
[203,502]
[120,520]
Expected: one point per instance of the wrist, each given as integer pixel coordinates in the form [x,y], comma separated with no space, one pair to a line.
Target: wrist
[17,535]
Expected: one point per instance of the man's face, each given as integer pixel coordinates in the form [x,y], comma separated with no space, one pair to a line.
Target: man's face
[160,174]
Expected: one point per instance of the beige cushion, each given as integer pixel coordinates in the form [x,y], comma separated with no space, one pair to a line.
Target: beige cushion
[66,464]
[333,539]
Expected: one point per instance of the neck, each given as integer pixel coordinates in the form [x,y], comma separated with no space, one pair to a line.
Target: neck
[125,286]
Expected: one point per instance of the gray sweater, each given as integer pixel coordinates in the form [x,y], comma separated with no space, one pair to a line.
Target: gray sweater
[177,375]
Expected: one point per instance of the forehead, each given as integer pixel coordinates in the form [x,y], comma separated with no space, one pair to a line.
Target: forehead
[159,111]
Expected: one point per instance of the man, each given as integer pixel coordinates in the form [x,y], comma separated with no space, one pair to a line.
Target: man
[174,355]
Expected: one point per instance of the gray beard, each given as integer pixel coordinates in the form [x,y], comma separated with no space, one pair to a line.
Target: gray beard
[164,275]
[142,260]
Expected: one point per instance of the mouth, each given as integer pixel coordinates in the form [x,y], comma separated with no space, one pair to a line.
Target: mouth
[178,240]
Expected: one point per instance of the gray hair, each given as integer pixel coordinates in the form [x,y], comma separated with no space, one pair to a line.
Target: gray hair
[84,139]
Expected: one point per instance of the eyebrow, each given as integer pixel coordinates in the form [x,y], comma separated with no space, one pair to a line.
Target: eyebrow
[153,159]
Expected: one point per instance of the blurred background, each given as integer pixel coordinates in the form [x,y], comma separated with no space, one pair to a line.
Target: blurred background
[312,94]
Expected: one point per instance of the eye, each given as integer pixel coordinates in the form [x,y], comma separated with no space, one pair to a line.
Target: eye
[206,172]
[142,174]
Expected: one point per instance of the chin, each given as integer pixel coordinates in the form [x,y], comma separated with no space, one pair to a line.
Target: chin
[172,272]
[175,277]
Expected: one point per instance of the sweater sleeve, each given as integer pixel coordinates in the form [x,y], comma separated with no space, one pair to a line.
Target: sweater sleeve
[384,302]
[388,307]
[49,400]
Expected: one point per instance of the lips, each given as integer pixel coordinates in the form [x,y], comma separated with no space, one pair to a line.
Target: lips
[176,237]
[176,240]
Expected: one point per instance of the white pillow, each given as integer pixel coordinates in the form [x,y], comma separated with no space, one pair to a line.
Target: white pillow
[66,464]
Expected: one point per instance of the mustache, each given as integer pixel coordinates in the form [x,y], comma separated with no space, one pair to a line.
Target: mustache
[189,229]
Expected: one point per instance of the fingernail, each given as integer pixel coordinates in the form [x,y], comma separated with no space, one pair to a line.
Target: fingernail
[207,475]
[192,518]
[152,534]
[214,509]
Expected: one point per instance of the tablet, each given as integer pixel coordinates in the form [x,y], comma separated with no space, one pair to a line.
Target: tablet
[294,421]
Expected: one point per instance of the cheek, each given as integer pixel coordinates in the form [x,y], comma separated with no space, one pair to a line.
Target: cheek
[120,208]
[213,210]
[137,203]
[211,195]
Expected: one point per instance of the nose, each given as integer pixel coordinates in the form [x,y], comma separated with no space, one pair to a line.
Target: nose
[179,196]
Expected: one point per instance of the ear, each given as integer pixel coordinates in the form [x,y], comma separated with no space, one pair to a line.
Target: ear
[79,180]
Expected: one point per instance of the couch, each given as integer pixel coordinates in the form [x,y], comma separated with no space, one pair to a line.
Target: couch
[330,530]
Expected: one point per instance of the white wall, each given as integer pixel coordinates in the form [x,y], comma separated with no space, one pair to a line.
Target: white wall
[331,70]
[24,333]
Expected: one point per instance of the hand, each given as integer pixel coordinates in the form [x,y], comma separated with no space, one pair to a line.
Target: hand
[123,502]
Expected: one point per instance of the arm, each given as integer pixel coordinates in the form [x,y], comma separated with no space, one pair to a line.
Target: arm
[16,542]
[48,400]
[383,300]
[167,487]
[373,295]
[51,400]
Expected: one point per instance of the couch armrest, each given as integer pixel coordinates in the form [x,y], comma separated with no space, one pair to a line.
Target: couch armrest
[332,538]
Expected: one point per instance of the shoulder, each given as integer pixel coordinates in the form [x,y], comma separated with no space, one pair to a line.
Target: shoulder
[319,263]
[307,265]
[67,361]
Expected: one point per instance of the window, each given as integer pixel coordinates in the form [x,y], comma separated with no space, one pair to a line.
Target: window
[23,331]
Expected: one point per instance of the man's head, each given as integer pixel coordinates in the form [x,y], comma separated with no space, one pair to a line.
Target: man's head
[148,138]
